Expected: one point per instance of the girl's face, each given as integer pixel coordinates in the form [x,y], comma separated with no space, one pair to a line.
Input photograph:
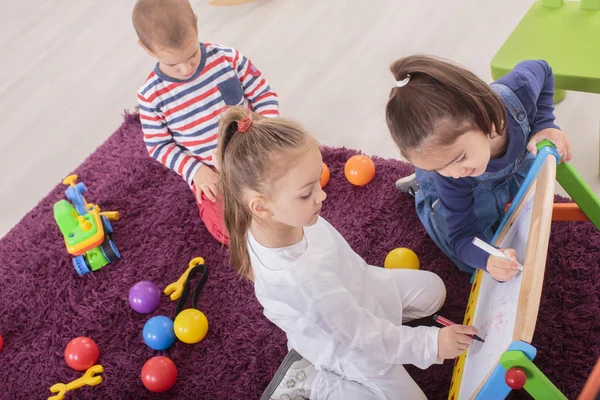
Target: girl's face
[296,198]
[469,155]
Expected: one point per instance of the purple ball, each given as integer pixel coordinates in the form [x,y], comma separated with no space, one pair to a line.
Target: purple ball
[144,297]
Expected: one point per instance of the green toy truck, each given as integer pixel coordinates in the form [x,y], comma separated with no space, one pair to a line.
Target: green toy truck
[87,230]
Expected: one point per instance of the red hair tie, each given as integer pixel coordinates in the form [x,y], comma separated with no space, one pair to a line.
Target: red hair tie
[244,124]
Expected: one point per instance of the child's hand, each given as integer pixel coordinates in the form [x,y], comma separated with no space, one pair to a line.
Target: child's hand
[501,269]
[206,181]
[216,160]
[560,140]
[454,339]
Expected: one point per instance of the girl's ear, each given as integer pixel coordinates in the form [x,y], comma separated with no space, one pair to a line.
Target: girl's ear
[494,131]
[259,206]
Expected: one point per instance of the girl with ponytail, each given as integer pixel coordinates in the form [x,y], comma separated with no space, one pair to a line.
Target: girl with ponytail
[343,316]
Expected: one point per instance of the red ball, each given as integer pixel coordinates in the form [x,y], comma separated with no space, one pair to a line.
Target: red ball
[159,374]
[1,343]
[515,378]
[81,353]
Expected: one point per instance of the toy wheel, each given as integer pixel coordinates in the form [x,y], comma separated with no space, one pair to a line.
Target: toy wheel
[108,229]
[110,250]
[80,265]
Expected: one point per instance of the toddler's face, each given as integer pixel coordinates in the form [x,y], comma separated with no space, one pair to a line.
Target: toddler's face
[469,155]
[180,63]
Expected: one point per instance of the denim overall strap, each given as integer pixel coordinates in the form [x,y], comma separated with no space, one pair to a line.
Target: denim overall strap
[518,113]
[513,104]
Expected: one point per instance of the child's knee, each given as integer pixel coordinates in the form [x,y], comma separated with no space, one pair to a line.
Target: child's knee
[437,292]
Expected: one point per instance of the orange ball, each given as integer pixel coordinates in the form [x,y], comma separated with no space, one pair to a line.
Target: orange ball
[325,175]
[359,170]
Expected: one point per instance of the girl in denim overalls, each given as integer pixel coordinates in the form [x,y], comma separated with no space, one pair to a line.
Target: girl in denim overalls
[472,146]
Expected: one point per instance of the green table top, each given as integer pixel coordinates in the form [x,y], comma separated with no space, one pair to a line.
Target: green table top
[567,37]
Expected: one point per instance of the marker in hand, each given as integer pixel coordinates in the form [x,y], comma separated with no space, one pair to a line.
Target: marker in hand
[491,250]
[446,322]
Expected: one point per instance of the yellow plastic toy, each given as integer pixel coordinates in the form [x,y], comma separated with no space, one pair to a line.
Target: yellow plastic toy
[89,378]
[402,258]
[190,326]
[175,289]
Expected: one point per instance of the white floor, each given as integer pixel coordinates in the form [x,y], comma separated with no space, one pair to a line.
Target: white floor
[69,68]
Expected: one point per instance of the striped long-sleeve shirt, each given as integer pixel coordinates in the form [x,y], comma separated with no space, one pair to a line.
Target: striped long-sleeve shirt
[180,119]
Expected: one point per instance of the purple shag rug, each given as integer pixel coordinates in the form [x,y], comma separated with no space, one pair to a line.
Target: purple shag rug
[44,303]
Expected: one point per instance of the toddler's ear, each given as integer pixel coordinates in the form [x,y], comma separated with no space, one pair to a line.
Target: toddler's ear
[150,53]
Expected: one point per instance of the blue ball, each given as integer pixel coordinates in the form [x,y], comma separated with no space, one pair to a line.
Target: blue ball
[158,333]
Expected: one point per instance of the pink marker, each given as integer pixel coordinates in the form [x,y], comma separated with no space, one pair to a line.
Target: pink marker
[446,322]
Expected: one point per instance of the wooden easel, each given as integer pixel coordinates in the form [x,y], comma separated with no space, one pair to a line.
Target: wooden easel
[517,359]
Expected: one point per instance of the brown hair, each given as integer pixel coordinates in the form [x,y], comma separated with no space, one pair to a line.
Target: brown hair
[251,160]
[440,102]
[164,23]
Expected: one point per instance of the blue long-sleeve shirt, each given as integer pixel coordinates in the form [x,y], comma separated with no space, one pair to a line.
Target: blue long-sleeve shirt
[533,83]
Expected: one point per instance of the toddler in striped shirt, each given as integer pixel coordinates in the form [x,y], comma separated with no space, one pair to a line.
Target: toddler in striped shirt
[181,102]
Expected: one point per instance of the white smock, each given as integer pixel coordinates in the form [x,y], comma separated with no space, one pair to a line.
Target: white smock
[345,316]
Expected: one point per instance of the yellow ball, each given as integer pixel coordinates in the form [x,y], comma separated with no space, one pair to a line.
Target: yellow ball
[402,258]
[190,326]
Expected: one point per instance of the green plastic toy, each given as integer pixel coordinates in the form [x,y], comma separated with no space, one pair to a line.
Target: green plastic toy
[580,192]
[87,231]
[577,188]
[565,34]
[535,382]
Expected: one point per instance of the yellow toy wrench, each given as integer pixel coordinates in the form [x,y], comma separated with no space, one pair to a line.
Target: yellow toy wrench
[88,379]
[175,289]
